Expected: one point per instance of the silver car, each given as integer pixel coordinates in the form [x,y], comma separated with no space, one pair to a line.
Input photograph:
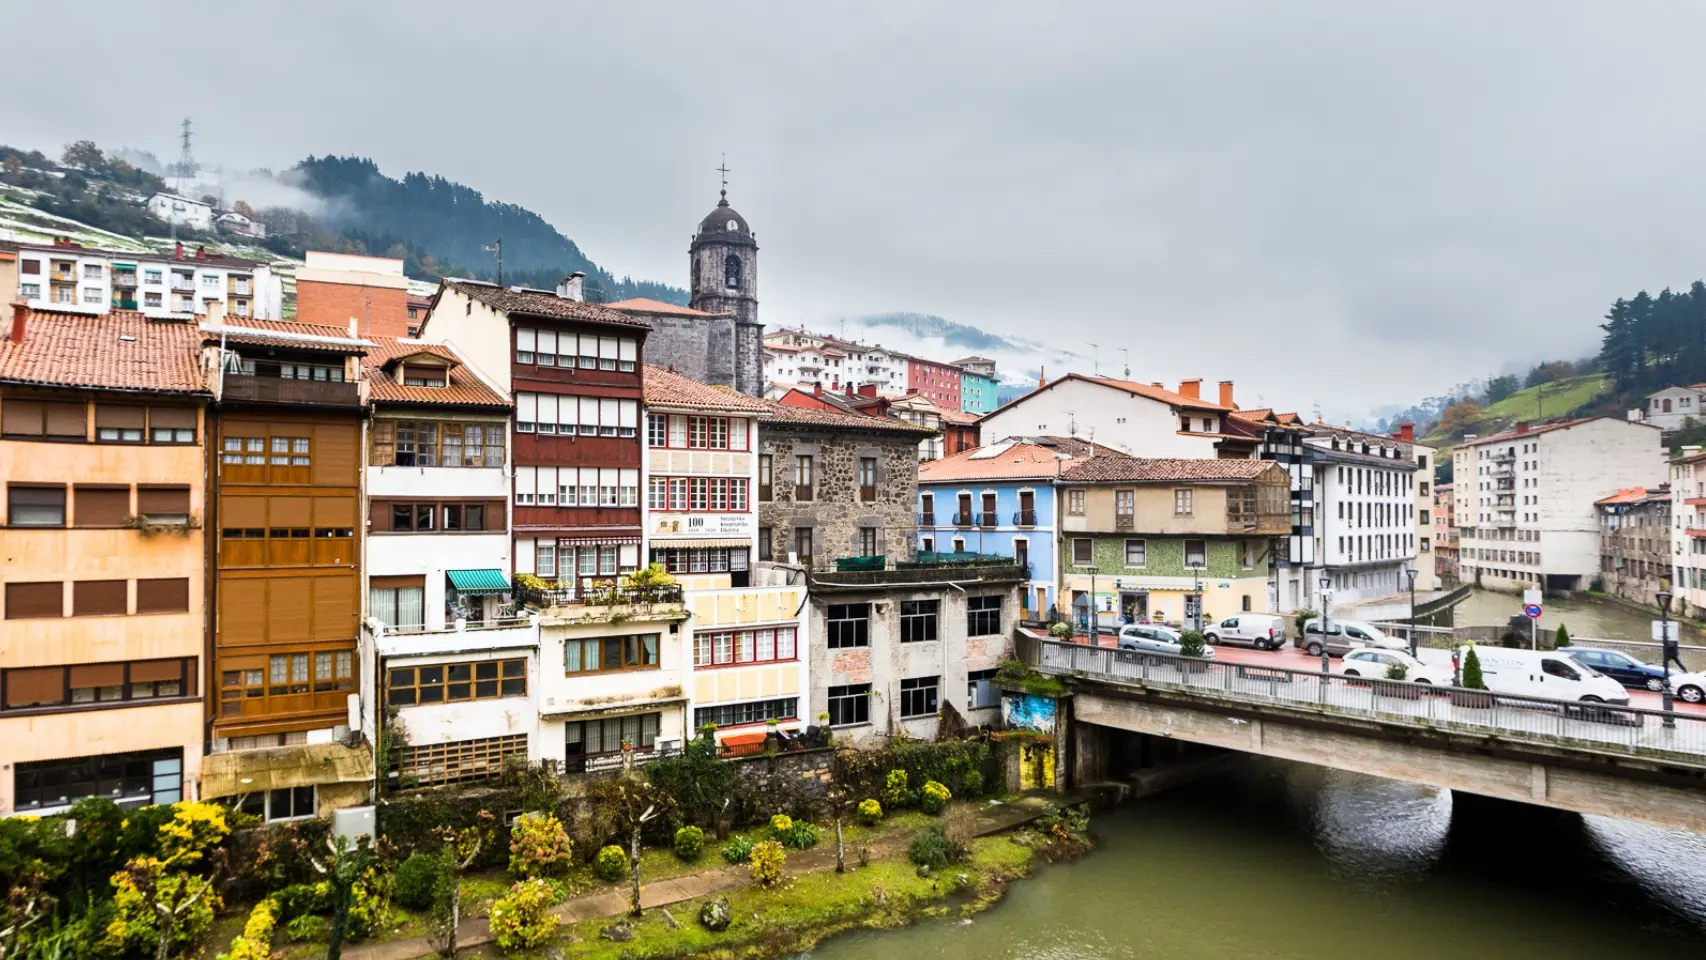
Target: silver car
[1154,638]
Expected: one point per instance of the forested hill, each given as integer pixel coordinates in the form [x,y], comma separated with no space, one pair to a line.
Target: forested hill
[453,223]
[1653,342]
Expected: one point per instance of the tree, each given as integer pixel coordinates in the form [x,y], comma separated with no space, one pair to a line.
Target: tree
[461,849]
[1562,639]
[242,207]
[1472,671]
[1499,388]
[1459,417]
[84,155]
[635,802]
[342,868]
[174,906]
[839,800]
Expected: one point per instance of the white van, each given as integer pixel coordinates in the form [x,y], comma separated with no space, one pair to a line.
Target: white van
[1543,673]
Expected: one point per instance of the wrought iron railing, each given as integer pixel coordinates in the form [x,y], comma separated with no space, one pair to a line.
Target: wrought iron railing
[1025,518]
[606,762]
[988,518]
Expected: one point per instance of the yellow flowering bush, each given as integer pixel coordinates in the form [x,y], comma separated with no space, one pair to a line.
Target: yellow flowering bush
[194,830]
[870,811]
[781,824]
[539,847]
[135,928]
[768,859]
[934,797]
[256,941]
[522,918]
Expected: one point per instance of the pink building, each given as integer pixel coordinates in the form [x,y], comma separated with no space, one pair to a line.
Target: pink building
[937,382]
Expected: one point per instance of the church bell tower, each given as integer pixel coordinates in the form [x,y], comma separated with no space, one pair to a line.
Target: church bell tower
[724,264]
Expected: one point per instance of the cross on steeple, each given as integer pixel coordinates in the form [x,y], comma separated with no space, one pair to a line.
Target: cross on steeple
[724,170]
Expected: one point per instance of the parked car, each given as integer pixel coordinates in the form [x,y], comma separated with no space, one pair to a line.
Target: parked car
[1343,636]
[1372,662]
[1154,638]
[1691,687]
[1372,636]
[1619,666]
[1264,631]
[1544,673]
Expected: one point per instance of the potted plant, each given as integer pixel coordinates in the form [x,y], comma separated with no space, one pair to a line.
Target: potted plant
[1193,649]
[1397,684]
[1472,680]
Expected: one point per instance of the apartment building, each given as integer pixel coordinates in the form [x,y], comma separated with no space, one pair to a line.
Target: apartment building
[181,283]
[335,288]
[978,385]
[1688,530]
[1445,547]
[1635,543]
[103,433]
[797,356]
[1672,407]
[1294,574]
[1133,418]
[287,601]
[937,382]
[181,210]
[1365,512]
[1525,498]
[1180,541]
[573,371]
[1427,576]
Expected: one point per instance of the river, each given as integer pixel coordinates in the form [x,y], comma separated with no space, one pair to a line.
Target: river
[1280,861]
[1583,618]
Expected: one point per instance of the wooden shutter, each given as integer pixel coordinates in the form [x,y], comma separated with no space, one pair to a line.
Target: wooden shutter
[334,511]
[290,512]
[242,611]
[163,501]
[384,437]
[289,609]
[120,415]
[39,686]
[169,595]
[98,598]
[154,671]
[29,600]
[379,516]
[97,675]
[402,580]
[243,512]
[100,506]
[68,420]
[22,418]
[334,455]
[177,418]
[335,608]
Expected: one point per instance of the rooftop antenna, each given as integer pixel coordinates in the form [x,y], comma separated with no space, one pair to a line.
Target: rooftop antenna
[498,248]
[1127,354]
[1096,359]
[1071,423]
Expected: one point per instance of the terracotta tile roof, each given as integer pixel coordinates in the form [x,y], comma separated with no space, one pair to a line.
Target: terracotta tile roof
[782,348]
[1530,431]
[1152,392]
[648,305]
[781,414]
[666,389]
[543,303]
[1633,495]
[959,417]
[1033,458]
[79,350]
[1119,469]
[247,330]
[466,389]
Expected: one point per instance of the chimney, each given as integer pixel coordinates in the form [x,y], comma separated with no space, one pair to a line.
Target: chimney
[817,390]
[1406,431]
[1191,389]
[354,327]
[1521,429]
[1159,384]
[178,250]
[216,312]
[573,287]
[868,390]
[1226,394]
[850,391]
[1042,377]
[201,253]
[20,314]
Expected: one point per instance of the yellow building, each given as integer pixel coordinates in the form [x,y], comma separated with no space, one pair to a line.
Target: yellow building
[103,459]
[748,662]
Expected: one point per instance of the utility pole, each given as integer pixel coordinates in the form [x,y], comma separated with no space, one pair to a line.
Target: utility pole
[1127,354]
[498,248]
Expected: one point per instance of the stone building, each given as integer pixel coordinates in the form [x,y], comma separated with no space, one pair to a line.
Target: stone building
[1634,542]
[833,484]
[718,338]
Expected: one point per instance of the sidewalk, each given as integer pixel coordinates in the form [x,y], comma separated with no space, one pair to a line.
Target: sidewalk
[991,818]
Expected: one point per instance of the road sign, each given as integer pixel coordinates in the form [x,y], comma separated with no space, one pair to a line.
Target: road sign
[1531,597]
[1531,611]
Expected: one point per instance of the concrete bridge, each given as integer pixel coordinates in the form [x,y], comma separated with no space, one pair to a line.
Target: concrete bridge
[1621,762]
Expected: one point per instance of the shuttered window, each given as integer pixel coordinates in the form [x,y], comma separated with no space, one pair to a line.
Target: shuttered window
[171,424]
[35,506]
[116,423]
[36,687]
[44,419]
[97,684]
[169,595]
[101,506]
[100,598]
[164,504]
[26,601]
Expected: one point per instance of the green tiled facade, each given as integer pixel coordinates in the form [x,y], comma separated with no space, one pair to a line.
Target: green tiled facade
[1165,557]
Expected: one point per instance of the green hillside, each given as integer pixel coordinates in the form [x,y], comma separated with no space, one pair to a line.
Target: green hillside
[1556,399]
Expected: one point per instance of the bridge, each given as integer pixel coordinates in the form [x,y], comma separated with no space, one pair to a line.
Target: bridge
[1625,762]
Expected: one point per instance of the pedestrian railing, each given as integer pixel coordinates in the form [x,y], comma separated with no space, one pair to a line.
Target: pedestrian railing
[1580,725]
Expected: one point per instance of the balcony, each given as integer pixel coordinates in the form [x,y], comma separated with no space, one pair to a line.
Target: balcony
[1506,483]
[1124,522]
[988,518]
[963,518]
[124,280]
[927,519]
[606,593]
[1025,518]
[239,286]
[609,762]
[240,386]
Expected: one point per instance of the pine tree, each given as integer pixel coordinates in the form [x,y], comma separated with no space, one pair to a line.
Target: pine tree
[1562,640]
[1472,671]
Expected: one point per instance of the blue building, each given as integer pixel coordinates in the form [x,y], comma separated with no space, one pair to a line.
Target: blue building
[980,391]
[999,500]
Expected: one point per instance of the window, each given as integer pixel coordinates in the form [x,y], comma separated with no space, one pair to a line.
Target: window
[287,803]
[1196,553]
[455,682]
[803,544]
[918,620]
[95,684]
[766,547]
[1182,500]
[981,690]
[115,423]
[769,645]
[100,598]
[1075,503]
[867,541]
[758,711]
[101,506]
[632,652]
[35,506]
[461,760]
[168,505]
[927,509]
[171,425]
[545,559]
[1125,503]
[433,443]
[849,625]
[918,696]
[400,607]
[32,291]
[588,738]
[868,479]
[850,705]
[983,616]
[764,478]
[657,430]
[1083,552]
[43,420]
[1135,553]
[131,779]
[802,478]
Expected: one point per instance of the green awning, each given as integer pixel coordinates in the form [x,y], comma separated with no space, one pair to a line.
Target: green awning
[478,581]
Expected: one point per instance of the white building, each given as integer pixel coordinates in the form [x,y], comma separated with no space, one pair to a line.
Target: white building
[233,222]
[181,210]
[1688,531]
[1669,408]
[1365,513]
[1427,577]
[798,356]
[69,277]
[1139,419]
[1525,498]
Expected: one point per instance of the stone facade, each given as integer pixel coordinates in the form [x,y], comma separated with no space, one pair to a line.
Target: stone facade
[1634,543]
[722,350]
[835,514]
[805,774]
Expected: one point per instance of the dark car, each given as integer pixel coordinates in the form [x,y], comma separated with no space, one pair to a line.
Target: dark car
[1619,666]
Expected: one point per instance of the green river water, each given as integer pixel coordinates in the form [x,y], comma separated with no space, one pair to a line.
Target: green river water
[1279,861]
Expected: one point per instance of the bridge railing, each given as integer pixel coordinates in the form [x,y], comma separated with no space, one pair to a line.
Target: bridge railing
[1581,725]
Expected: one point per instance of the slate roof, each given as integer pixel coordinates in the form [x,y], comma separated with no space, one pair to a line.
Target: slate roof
[80,350]
[664,388]
[544,303]
[465,389]
[648,305]
[1159,470]
[781,414]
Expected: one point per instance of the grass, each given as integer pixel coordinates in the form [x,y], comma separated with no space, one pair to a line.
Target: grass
[1554,399]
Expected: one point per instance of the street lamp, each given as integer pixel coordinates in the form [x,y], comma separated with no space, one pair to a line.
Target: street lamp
[1095,617]
[1326,618]
[1667,649]
[1410,571]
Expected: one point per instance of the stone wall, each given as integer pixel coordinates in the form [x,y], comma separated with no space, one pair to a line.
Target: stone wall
[805,774]
[708,349]
[835,513]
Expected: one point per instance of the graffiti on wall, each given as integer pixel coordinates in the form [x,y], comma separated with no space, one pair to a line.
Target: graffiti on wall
[1024,711]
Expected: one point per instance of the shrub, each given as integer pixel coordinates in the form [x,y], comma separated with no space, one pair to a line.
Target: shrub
[972,783]
[870,811]
[1562,638]
[931,849]
[689,843]
[301,899]
[135,929]
[522,918]
[370,903]
[1191,644]
[781,824]
[256,940]
[803,835]
[195,829]
[1396,671]
[1302,617]
[416,879]
[308,929]
[934,797]
[1061,630]
[611,863]
[737,850]
[768,859]
[1472,671]
[896,794]
[539,847]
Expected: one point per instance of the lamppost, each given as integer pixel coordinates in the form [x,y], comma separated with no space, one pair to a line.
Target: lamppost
[1664,598]
[1095,618]
[1410,571]
[1326,618]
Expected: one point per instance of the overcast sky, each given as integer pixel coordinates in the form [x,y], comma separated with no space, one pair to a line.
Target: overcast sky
[1342,202]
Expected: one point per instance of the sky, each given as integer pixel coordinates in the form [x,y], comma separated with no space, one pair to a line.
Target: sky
[1331,202]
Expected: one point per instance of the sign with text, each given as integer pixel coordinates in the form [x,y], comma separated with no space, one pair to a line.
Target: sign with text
[704,524]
